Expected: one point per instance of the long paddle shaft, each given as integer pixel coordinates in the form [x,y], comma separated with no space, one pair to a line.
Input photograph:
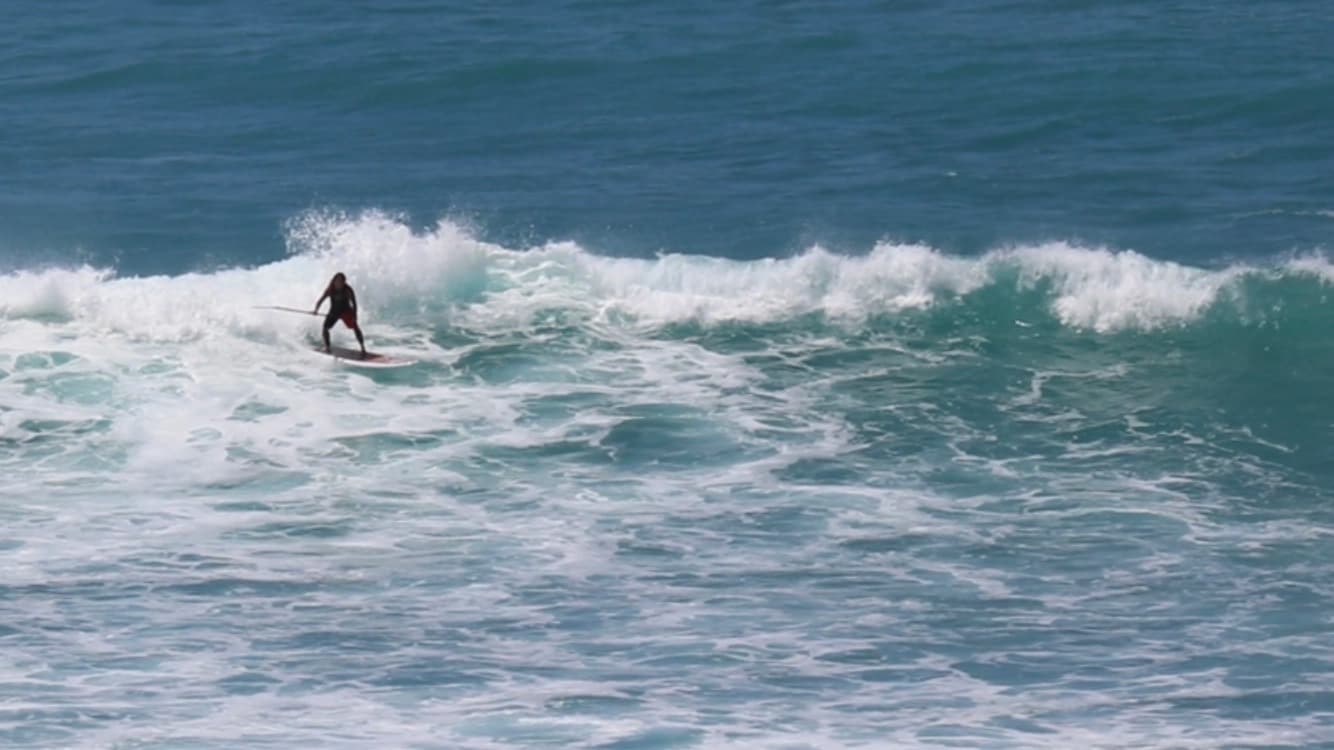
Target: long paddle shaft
[286,309]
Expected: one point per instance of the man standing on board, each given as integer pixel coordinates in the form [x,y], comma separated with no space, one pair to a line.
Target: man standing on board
[342,306]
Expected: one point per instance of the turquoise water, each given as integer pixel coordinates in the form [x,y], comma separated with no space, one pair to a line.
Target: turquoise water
[789,376]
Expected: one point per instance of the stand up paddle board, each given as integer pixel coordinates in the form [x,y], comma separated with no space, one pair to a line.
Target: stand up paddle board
[347,356]
[371,359]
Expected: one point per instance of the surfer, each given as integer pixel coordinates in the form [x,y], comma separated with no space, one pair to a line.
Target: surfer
[342,306]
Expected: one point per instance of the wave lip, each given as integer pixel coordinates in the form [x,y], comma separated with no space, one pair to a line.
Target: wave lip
[53,295]
[445,275]
[1082,287]
[1106,291]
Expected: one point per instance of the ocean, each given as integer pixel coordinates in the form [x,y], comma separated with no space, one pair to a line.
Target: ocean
[788,375]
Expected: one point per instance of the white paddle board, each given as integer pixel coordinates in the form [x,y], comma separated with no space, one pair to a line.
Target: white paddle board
[355,358]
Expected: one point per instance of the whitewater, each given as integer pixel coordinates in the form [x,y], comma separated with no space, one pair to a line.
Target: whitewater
[1048,496]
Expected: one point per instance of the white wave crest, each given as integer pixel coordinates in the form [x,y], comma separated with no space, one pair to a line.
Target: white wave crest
[445,274]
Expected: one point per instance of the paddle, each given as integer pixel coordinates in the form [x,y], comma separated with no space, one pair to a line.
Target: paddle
[285,309]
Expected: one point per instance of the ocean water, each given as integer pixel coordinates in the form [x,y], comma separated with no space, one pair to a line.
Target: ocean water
[790,375]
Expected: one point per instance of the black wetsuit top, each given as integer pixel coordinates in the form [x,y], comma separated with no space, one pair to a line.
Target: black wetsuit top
[340,301]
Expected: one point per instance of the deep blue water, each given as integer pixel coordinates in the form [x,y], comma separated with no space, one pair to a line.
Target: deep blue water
[789,375]
[165,135]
